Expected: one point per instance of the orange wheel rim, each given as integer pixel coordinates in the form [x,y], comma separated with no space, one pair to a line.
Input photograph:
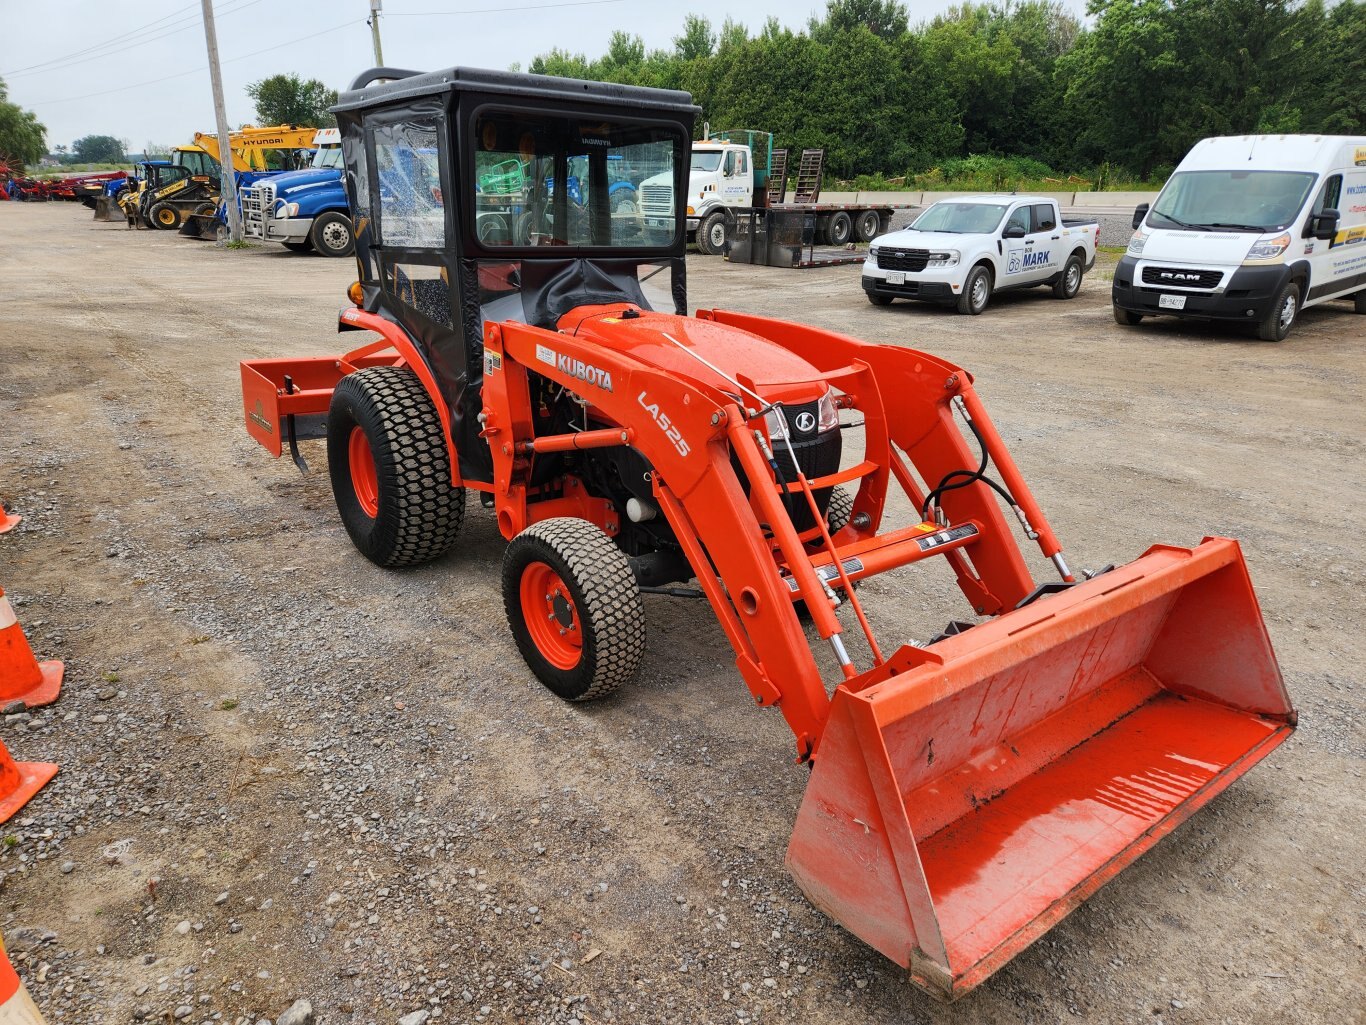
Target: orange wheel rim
[364,479]
[551,616]
[167,216]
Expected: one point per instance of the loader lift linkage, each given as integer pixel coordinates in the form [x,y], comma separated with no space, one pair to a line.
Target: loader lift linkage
[964,794]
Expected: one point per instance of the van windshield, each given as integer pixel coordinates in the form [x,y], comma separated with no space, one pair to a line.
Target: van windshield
[1256,201]
[960,218]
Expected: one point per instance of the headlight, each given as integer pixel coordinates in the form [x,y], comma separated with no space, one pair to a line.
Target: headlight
[777,426]
[948,258]
[1268,249]
[1137,242]
[827,416]
[287,210]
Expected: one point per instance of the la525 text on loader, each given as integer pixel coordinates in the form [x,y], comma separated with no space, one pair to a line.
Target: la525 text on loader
[964,795]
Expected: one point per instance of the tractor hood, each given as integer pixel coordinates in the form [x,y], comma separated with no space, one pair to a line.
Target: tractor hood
[658,339]
[293,182]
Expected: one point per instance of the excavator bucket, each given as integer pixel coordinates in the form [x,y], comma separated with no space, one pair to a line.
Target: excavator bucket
[969,794]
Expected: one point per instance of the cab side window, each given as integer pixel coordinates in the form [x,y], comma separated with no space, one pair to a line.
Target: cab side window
[1019,220]
[741,163]
[407,168]
[1327,200]
[1044,220]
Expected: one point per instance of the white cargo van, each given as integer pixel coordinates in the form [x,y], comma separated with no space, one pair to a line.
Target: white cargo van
[1251,228]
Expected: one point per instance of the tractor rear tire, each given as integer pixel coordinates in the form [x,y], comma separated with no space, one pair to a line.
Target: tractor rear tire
[711,234]
[390,468]
[574,607]
[163,216]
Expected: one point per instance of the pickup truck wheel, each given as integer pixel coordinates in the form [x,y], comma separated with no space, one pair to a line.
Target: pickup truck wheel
[840,228]
[331,235]
[300,247]
[390,468]
[1069,281]
[878,300]
[711,234]
[1281,316]
[976,292]
[866,225]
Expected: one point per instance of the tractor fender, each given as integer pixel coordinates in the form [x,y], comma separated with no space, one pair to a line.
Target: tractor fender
[394,337]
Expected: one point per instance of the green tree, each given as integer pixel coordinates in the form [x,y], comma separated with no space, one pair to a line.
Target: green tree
[697,41]
[885,18]
[289,100]
[98,149]
[22,138]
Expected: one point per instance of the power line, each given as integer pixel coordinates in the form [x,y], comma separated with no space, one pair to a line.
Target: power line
[498,10]
[97,46]
[164,31]
[193,71]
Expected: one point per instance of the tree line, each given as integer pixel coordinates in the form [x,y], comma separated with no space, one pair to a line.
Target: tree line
[1123,97]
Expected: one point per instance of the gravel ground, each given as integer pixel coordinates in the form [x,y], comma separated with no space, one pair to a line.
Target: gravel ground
[287,774]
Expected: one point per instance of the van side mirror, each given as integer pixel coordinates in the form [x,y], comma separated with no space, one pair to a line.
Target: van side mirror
[1326,224]
[1140,212]
[1013,231]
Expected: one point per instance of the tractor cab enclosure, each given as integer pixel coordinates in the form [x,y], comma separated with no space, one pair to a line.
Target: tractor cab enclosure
[529,342]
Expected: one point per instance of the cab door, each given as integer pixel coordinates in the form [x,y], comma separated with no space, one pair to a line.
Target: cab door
[1337,265]
[1016,241]
[1043,244]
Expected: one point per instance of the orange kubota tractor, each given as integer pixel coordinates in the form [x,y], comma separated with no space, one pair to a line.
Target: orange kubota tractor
[965,793]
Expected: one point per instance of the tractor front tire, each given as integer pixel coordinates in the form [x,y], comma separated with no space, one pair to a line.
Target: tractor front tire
[390,468]
[331,234]
[164,216]
[574,607]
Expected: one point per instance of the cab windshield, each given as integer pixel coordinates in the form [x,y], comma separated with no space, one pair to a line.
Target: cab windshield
[960,218]
[1254,201]
[327,156]
[547,180]
[706,160]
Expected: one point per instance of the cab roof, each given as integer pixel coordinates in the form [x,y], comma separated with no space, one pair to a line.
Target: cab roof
[368,92]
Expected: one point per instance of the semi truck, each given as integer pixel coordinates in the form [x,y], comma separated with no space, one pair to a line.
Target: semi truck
[733,172]
[305,210]
[962,251]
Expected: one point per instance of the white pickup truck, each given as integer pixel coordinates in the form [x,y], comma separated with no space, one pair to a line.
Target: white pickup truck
[965,249]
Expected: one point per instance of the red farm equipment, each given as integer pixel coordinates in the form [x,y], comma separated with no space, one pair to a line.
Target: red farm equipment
[965,793]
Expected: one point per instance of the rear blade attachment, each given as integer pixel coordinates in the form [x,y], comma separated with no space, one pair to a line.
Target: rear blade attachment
[970,794]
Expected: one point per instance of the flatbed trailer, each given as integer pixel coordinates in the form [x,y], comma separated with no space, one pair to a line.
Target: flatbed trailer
[800,235]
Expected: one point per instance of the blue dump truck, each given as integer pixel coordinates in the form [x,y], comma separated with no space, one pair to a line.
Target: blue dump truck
[305,210]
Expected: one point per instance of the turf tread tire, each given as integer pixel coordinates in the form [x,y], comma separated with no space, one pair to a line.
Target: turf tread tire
[419,514]
[606,595]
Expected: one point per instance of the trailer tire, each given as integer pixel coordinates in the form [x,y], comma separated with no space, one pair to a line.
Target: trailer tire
[1069,281]
[839,229]
[331,234]
[976,291]
[390,468]
[866,225]
[1282,314]
[163,216]
[1126,318]
[574,607]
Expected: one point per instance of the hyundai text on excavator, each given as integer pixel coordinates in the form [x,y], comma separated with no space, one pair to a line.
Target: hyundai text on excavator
[965,793]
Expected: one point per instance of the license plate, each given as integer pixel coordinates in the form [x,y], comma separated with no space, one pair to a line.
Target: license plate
[658,222]
[1171,302]
[896,277]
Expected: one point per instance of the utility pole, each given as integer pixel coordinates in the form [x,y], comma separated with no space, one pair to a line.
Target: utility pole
[375,6]
[220,110]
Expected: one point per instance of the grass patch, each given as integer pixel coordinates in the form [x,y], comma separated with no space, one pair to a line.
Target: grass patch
[227,704]
[111,677]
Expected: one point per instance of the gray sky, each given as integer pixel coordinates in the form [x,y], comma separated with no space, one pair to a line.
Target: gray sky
[137,71]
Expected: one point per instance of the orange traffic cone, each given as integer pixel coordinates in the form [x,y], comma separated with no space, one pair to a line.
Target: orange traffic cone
[16,1006]
[8,521]
[23,677]
[19,781]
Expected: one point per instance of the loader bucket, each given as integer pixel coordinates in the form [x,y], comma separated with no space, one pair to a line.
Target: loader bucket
[981,788]
[202,226]
[108,209]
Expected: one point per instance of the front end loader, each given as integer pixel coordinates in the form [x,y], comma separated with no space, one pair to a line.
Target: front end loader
[965,792]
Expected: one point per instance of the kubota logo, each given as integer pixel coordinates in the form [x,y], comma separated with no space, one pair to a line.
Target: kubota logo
[258,417]
[806,422]
[583,371]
